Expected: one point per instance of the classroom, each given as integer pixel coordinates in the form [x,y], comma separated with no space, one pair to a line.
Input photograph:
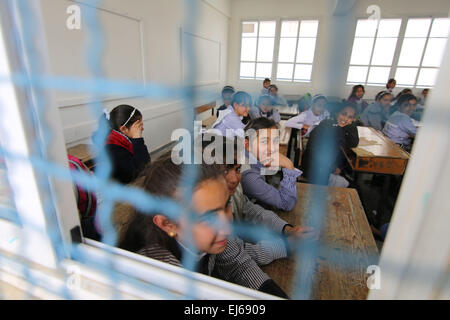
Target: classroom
[224,150]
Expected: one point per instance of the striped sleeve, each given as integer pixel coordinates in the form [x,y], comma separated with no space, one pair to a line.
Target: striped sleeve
[235,265]
[256,214]
[264,252]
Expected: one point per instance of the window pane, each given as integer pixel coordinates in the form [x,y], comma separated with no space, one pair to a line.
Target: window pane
[357,74]
[248,49]
[384,51]
[289,29]
[362,49]
[366,28]
[440,27]
[427,77]
[247,70]
[305,50]
[263,70]
[303,72]
[434,52]
[389,28]
[417,28]
[406,76]
[287,50]
[308,28]
[411,52]
[267,29]
[249,29]
[285,71]
[378,75]
[265,49]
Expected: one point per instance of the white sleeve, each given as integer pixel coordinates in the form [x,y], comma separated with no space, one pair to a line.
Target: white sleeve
[296,122]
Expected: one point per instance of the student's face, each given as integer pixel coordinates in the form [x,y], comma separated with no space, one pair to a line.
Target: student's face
[227,98]
[318,107]
[265,105]
[233,178]
[425,93]
[392,84]
[266,84]
[273,92]
[409,107]
[385,102]
[346,117]
[242,109]
[266,145]
[211,197]
[359,93]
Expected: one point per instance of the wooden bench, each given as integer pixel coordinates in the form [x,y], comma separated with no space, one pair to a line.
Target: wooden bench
[345,231]
[203,108]
[376,153]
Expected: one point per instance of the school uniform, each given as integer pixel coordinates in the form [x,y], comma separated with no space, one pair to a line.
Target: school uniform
[258,190]
[222,107]
[323,154]
[233,265]
[128,156]
[279,100]
[306,118]
[374,116]
[400,128]
[229,123]
[245,211]
[256,113]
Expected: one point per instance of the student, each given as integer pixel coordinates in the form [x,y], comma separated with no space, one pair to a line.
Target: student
[376,114]
[125,144]
[263,149]
[264,108]
[400,127]
[323,161]
[304,103]
[278,100]
[417,115]
[245,211]
[390,85]
[423,97]
[229,122]
[266,85]
[227,94]
[159,237]
[356,97]
[394,104]
[311,117]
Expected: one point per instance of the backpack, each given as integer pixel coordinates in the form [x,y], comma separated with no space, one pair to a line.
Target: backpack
[86,201]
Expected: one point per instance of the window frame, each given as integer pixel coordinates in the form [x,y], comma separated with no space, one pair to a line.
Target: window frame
[397,51]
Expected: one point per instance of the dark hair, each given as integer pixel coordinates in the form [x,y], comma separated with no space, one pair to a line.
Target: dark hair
[227,89]
[405,97]
[355,88]
[120,114]
[260,123]
[381,94]
[161,178]
[404,91]
[336,107]
[266,80]
[390,81]
[272,86]
[264,97]
[241,97]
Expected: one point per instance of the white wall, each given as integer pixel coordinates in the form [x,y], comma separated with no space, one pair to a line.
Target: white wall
[322,10]
[143,45]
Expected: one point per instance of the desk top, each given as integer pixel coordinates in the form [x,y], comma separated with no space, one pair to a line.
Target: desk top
[373,143]
[346,233]
[286,110]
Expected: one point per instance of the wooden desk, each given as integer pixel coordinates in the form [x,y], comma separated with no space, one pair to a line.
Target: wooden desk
[287,112]
[83,152]
[376,153]
[345,231]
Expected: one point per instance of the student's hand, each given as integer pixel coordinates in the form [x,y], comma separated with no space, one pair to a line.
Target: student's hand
[305,126]
[285,162]
[136,129]
[301,232]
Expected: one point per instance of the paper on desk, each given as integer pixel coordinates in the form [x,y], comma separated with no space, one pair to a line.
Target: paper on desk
[365,142]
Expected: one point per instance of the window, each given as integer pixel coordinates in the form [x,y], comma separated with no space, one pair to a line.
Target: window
[257,46]
[296,51]
[373,60]
[373,51]
[422,51]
